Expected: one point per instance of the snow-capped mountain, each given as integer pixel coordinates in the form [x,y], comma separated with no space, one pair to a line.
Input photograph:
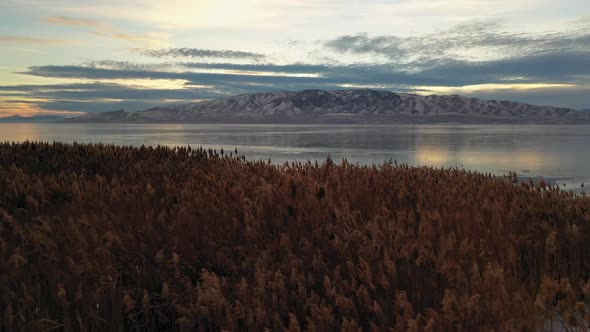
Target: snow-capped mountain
[345,106]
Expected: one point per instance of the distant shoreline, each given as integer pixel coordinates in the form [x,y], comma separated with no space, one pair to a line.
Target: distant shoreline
[446,120]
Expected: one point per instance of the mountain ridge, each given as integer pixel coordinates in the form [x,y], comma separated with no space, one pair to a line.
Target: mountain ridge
[344,106]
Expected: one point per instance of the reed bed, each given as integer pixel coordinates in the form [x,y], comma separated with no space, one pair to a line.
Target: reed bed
[110,238]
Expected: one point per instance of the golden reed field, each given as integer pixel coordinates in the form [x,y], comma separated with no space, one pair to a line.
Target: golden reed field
[110,238]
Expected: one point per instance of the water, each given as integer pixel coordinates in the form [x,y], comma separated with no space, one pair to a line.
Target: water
[559,153]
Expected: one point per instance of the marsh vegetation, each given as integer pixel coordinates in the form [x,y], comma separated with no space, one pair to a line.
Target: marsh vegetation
[104,237]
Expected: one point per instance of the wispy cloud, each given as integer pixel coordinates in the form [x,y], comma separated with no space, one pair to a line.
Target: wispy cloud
[105,29]
[76,22]
[199,53]
[260,68]
[475,41]
[36,40]
[558,67]
[128,65]
[575,97]
[191,14]
[97,96]
[24,108]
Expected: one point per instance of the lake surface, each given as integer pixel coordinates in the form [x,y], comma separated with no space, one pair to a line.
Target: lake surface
[559,153]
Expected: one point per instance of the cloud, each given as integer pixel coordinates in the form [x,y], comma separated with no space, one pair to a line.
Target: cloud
[575,97]
[105,29]
[35,40]
[300,68]
[475,41]
[29,109]
[203,14]
[84,72]
[558,71]
[296,68]
[78,22]
[557,67]
[99,96]
[199,53]
[96,91]
[128,65]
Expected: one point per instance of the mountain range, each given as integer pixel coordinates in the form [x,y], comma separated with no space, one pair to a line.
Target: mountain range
[344,106]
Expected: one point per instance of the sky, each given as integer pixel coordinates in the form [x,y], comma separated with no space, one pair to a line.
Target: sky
[70,57]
